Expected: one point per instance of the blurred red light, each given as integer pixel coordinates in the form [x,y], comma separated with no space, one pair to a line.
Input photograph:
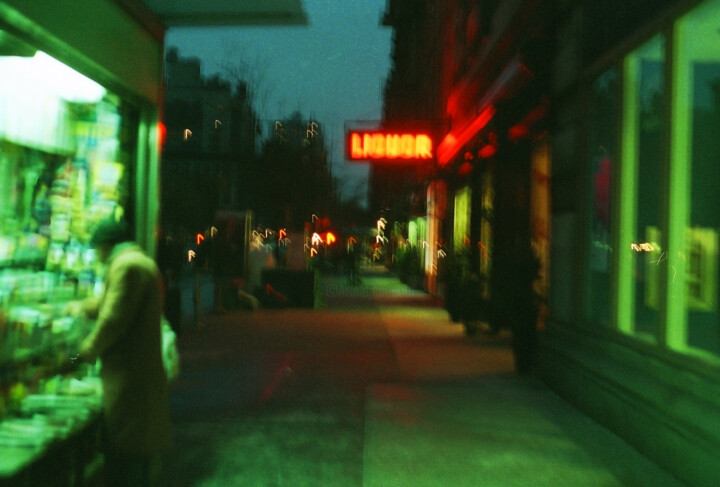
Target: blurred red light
[487,151]
[465,169]
[389,146]
[161,132]
[452,142]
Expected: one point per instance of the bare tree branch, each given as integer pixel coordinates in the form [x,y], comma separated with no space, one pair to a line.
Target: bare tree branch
[240,70]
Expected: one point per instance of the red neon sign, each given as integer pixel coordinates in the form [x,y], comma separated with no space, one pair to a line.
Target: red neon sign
[389,146]
[453,142]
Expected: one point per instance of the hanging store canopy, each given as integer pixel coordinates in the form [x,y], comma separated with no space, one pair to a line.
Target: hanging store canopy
[191,13]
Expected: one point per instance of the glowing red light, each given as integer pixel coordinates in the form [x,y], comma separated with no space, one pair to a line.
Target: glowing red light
[389,146]
[452,143]
[487,151]
[161,131]
[465,169]
[517,132]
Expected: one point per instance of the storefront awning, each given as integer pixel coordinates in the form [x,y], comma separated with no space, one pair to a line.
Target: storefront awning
[189,13]
[474,117]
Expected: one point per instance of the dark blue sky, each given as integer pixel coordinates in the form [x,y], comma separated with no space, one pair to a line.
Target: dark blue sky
[333,70]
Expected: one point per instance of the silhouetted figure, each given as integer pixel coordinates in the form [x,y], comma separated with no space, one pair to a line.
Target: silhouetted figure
[523,312]
[127,339]
[353,263]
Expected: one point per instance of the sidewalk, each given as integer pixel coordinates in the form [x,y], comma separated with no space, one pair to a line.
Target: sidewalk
[377,389]
[459,416]
[492,431]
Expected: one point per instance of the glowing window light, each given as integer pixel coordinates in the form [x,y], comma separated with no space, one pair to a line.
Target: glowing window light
[311,130]
[642,247]
[46,74]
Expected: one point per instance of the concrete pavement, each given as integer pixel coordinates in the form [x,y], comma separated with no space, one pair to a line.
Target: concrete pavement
[377,389]
[459,416]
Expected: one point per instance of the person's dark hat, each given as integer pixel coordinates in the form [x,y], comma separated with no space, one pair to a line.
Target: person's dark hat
[110,232]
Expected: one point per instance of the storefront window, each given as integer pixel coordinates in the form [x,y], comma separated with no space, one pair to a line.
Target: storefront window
[641,184]
[486,217]
[693,317]
[603,135]
[461,232]
[66,147]
[436,205]
[540,216]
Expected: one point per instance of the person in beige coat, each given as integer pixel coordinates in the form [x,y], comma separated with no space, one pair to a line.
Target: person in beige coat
[127,340]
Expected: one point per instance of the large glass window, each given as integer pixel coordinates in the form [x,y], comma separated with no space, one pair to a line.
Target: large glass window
[604,101]
[642,182]
[461,231]
[66,152]
[693,318]
[652,266]
[486,218]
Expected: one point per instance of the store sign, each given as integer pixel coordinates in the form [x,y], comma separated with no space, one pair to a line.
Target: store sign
[386,146]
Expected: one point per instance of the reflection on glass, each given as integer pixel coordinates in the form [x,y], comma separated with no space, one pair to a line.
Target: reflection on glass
[700,40]
[645,70]
[693,321]
[602,133]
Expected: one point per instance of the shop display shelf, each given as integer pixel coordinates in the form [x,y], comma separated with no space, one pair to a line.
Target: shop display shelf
[51,431]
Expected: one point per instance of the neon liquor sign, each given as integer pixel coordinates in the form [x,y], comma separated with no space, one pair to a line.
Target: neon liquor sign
[388,146]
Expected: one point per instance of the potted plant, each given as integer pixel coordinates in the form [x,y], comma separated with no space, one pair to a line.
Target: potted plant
[464,296]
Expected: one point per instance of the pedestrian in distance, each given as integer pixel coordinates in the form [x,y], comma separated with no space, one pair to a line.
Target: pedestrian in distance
[352,259]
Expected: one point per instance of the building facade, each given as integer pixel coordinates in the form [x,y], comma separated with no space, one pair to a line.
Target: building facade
[578,135]
[634,329]
[481,83]
[210,147]
[399,192]
[295,184]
